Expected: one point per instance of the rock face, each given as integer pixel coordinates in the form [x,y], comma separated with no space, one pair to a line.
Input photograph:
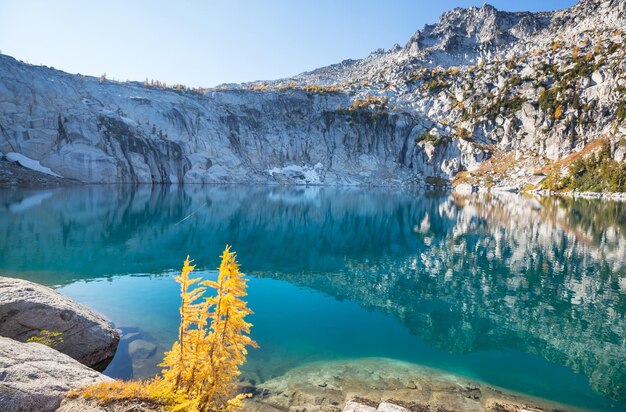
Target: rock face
[479,83]
[27,308]
[37,378]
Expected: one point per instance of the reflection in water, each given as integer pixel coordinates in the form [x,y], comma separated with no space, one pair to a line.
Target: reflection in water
[505,272]
[465,274]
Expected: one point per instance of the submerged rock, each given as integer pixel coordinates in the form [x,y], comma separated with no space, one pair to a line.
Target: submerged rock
[356,406]
[27,308]
[390,407]
[35,377]
[141,349]
[383,385]
[84,405]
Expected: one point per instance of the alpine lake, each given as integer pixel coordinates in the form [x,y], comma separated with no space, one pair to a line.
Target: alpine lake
[523,293]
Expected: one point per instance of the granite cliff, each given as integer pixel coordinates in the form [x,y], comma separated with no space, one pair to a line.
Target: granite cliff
[481,98]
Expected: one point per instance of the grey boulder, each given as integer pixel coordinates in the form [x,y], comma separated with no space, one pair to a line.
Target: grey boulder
[35,377]
[27,308]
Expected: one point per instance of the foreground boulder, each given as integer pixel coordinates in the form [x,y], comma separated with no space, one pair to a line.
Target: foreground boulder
[27,308]
[34,377]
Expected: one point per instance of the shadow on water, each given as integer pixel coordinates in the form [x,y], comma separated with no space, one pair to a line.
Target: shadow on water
[469,280]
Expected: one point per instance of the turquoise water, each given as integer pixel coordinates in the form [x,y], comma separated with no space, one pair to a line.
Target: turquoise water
[524,294]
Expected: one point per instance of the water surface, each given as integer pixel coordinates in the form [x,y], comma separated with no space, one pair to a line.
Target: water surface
[525,294]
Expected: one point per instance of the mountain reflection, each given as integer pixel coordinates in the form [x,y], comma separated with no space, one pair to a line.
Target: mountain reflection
[465,273]
[504,272]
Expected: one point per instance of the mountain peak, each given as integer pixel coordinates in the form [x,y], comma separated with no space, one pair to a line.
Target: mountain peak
[475,29]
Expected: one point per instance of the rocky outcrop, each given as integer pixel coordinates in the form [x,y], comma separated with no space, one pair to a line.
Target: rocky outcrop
[35,377]
[479,82]
[27,309]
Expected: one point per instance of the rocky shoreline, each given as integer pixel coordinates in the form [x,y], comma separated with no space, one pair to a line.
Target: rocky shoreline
[12,175]
[71,344]
[466,188]
[583,195]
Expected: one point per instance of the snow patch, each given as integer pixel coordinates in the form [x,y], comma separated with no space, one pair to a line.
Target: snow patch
[129,121]
[29,163]
[303,174]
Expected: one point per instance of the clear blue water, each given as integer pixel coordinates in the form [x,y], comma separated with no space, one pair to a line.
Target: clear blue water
[524,294]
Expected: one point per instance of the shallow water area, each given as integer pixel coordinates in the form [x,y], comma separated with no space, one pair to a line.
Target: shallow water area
[526,294]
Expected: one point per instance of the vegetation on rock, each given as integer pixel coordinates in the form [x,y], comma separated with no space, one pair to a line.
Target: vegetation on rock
[369,102]
[48,338]
[428,137]
[597,172]
[317,89]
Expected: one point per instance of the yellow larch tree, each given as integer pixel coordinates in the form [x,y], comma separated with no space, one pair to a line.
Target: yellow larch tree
[201,370]
[204,364]
[558,113]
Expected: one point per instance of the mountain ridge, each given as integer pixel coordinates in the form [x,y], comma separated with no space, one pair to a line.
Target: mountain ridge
[519,91]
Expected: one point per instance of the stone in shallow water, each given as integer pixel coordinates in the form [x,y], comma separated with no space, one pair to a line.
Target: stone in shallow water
[27,308]
[354,406]
[391,386]
[140,349]
[390,407]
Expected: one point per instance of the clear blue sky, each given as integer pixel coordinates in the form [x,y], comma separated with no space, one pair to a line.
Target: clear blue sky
[205,43]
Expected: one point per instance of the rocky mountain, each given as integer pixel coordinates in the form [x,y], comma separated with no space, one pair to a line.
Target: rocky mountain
[483,97]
